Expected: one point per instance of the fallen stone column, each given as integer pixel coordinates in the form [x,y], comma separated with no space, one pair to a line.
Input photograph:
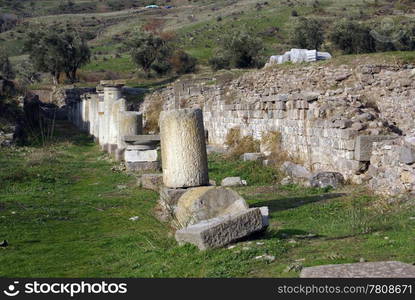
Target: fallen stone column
[183,148]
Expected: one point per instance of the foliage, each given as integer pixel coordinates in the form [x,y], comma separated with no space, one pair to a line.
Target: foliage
[352,37]
[399,36]
[26,73]
[238,49]
[239,144]
[149,51]
[307,33]
[253,172]
[55,51]
[183,63]
[219,62]
[153,51]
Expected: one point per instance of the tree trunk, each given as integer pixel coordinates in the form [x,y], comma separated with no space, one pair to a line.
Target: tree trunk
[72,76]
[55,78]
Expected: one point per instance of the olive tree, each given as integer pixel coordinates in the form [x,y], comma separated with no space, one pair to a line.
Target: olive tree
[238,49]
[149,51]
[57,51]
[307,33]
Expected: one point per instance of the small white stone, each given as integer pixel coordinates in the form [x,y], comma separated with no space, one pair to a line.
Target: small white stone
[135,218]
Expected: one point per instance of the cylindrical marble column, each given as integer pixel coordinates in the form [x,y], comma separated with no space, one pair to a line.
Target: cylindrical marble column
[183,148]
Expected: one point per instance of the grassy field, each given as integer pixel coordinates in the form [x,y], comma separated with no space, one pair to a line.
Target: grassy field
[65,209]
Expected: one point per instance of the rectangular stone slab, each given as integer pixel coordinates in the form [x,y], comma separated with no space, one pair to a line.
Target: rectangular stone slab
[220,231]
[141,138]
[363,145]
[131,155]
[383,269]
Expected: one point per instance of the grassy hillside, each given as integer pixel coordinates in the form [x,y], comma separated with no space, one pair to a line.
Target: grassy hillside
[198,24]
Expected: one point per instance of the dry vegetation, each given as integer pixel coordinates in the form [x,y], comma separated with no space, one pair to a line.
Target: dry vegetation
[152,115]
[239,144]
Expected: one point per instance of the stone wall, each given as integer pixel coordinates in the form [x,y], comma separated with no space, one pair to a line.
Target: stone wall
[321,112]
[392,169]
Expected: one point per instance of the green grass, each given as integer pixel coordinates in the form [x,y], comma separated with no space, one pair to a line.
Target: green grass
[251,171]
[115,64]
[65,210]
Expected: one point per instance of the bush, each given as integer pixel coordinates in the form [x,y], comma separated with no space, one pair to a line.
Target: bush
[183,63]
[161,66]
[150,52]
[219,62]
[238,50]
[395,37]
[239,145]
[352,37]
[307,33]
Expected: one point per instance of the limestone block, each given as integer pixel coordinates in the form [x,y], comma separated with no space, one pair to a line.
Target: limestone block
[326,179]
[222,230]
[387,269]
[295,171]
[171,196]
[183,148]
[233,181]
[134,155]
[151,181]
[265,216]
[202,203]
[407,155]
[363,145]
[114,120]
[143,166]
[323,55]
[252,156]
[130,124]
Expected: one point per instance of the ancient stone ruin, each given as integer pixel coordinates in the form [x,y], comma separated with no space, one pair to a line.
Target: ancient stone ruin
[341,123]
[298,56]
[356,121]
[104,115]
[206,216]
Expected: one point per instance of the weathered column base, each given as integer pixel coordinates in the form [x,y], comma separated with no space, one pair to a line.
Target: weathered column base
[138,159]
[143,166]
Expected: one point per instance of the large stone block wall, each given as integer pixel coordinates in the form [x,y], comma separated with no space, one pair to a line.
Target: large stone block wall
[321,112]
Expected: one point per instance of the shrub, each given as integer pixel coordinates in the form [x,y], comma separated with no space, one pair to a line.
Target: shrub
[238,50]
[271,142]
[239,145]
[152,115]
[352,37]
[147,50]
[219,62]
[183,63]
[395,37]
[307,33]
